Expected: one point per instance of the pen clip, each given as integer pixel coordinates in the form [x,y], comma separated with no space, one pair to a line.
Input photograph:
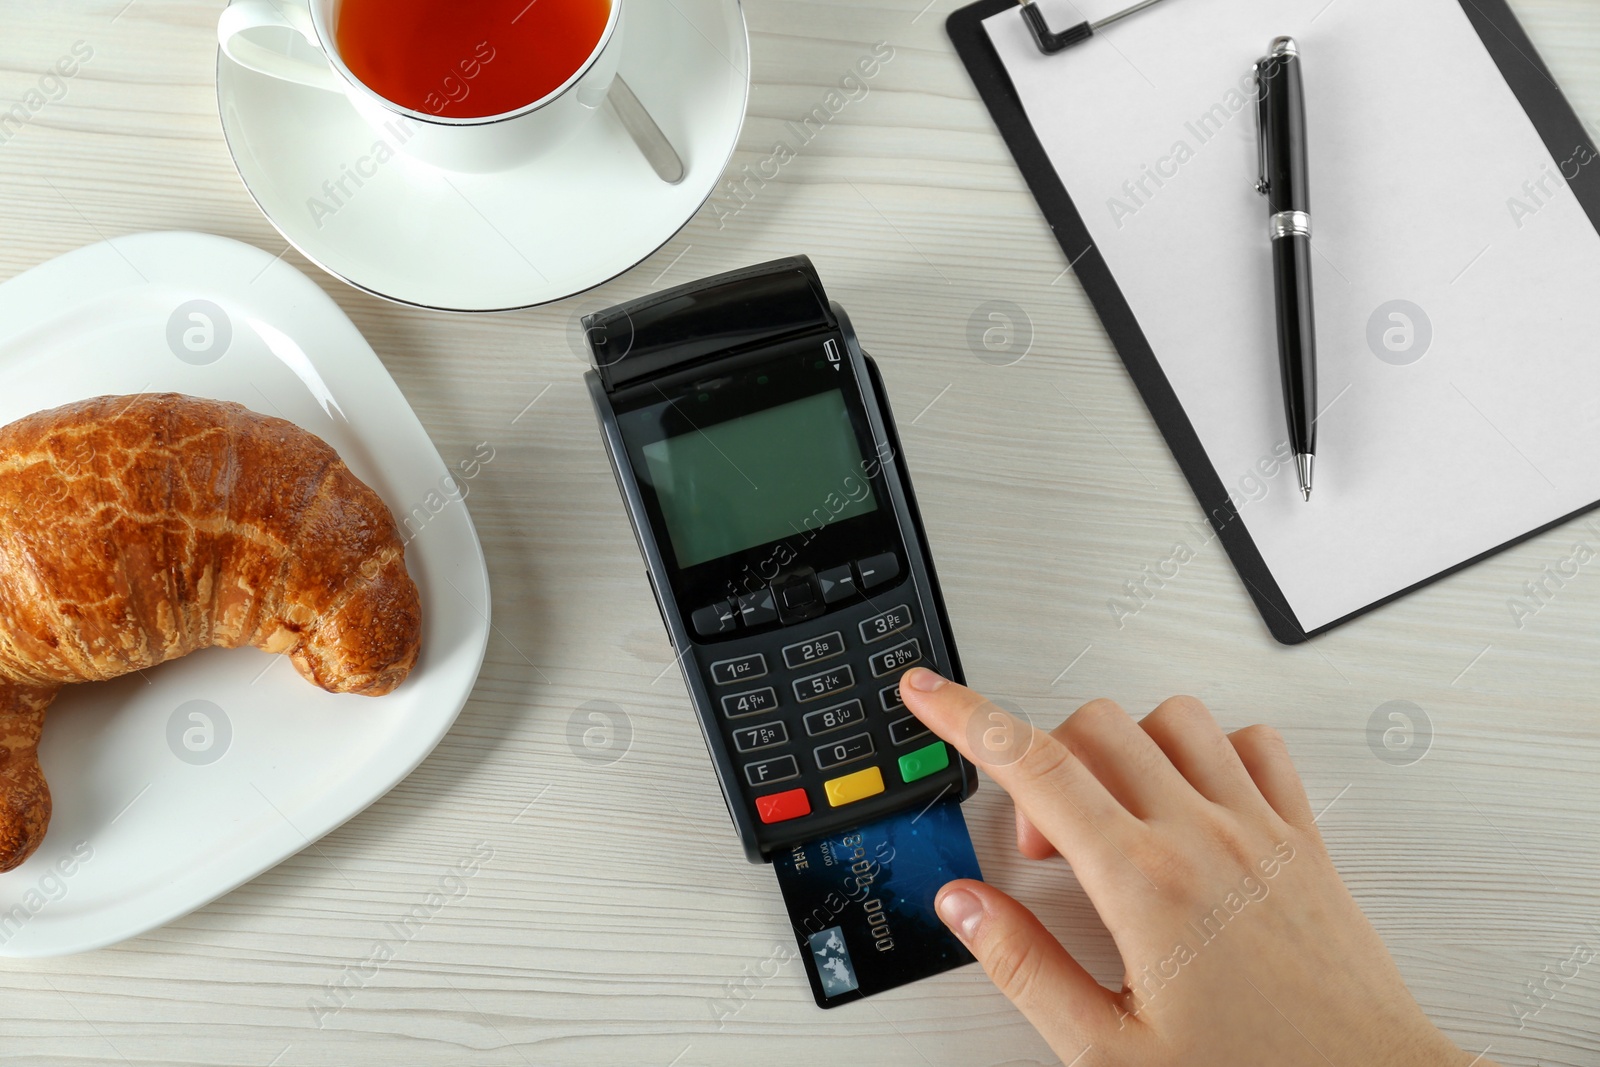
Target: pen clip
[1261,130]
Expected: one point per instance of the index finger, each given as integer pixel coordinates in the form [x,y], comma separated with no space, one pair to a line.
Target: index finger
[1060,796]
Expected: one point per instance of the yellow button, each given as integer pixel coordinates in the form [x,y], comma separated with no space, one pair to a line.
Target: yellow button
[853,787]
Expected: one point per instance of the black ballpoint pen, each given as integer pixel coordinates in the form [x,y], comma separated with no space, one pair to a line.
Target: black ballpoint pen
[1284,182]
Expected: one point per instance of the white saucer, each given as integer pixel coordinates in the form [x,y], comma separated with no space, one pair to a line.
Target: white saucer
[566,222]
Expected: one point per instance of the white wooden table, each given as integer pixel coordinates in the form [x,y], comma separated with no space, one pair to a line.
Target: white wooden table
[615,920]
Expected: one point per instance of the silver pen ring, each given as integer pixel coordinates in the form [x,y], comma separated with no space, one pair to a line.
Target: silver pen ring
[1290,224]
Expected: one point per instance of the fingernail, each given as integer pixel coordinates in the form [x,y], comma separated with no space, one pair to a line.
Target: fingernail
[961,910]
[924,680]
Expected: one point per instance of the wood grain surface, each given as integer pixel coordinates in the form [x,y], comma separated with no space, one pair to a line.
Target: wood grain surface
[614,920]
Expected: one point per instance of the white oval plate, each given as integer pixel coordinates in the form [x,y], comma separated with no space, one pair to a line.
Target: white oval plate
[555,226]
[158,812]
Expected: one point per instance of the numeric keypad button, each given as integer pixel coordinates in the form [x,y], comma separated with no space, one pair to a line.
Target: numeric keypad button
[897,658]
[754,702]
[762,735]
[814,650]
[740,669]
[885,623]
[816,686]
[826,720]
[846,750]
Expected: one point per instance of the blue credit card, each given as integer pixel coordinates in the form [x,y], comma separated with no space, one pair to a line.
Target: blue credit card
[861,901]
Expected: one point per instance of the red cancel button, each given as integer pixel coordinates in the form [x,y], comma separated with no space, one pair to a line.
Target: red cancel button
[776,807]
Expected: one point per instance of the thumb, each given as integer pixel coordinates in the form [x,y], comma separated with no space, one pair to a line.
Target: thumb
[1061,999]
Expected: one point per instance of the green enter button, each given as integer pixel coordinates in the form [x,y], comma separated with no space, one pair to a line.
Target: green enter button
[924,761]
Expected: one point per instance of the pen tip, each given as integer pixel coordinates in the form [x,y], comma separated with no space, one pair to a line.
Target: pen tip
[1305,491]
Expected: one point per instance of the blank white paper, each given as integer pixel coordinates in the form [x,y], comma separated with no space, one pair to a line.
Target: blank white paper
[1429,185]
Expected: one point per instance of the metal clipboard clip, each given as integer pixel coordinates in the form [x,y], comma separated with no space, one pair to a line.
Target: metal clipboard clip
[1051,41]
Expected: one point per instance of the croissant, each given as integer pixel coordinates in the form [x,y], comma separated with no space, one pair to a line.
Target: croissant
[136,529]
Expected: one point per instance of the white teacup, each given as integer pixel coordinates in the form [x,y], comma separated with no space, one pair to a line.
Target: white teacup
[489,143]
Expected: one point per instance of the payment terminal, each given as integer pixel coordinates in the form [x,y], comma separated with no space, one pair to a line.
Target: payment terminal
[763,477]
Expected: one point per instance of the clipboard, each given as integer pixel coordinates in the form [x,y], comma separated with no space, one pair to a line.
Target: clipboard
[1535,90]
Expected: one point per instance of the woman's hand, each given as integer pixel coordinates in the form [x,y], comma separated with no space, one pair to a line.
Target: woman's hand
[1241,945]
